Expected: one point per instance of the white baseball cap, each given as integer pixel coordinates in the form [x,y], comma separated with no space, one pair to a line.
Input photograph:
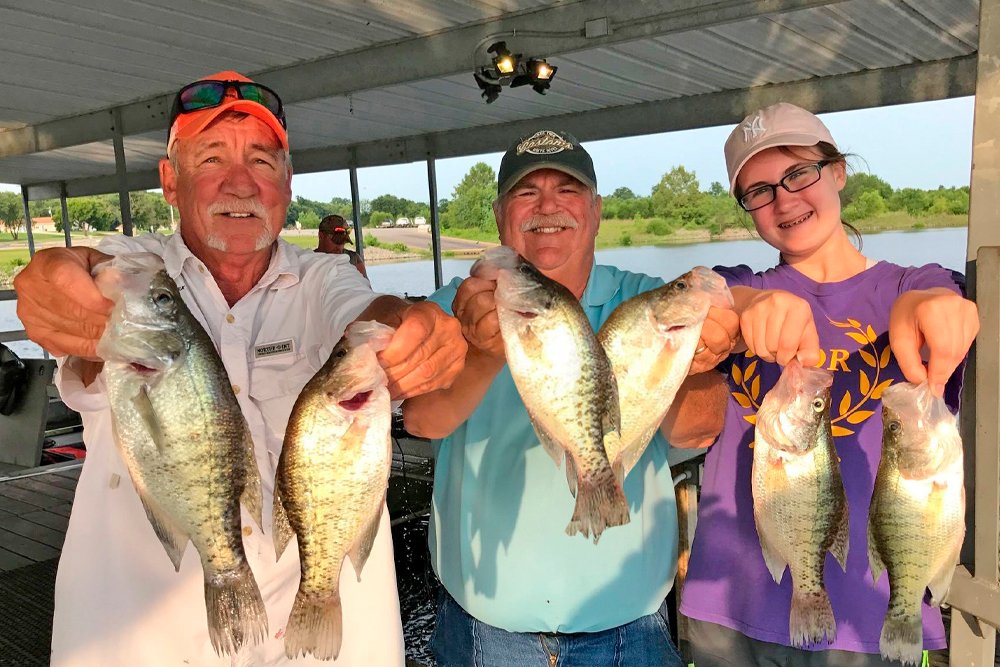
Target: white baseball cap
[780,124]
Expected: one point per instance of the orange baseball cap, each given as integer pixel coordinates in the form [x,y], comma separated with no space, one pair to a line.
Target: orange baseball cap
[187,124]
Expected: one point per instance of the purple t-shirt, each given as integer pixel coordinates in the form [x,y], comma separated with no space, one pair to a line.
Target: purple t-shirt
[727,581]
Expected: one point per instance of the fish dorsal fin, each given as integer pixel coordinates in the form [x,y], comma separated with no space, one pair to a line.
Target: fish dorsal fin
[252,497]
[874,557]
[281,529]
[366,538]
[173,538]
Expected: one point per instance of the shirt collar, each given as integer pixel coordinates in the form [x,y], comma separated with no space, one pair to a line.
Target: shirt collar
[600,287]
[282,271]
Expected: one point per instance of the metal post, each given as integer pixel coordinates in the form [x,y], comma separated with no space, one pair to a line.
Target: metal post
[123,201]
[435,229]
[356,213]
[27,221]
[65,214]
[973,643]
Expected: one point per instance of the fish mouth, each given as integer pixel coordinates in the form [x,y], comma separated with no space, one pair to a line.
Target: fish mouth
[356,402]
[797,221]
[141,369]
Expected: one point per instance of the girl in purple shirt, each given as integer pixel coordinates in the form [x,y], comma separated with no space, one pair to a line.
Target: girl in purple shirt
[828,305]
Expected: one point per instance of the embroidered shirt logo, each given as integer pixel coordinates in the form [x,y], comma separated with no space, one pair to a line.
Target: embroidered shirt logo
[545,142]
[273,349]
[753,128]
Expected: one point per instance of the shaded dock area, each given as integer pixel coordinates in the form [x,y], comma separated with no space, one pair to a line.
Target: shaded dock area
[34,513]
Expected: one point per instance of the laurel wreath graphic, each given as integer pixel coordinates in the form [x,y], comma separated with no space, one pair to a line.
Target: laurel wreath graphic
[849,412]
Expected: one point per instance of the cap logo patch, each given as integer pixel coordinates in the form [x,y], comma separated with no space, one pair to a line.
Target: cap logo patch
[753,128]
[545,142]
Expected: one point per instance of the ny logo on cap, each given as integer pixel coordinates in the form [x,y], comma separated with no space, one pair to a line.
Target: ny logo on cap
[753,128]
[545,142]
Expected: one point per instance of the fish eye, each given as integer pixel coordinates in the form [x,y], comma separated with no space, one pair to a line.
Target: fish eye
[162,297]
[681,284]
[894,426]
[340,353]
[818,404]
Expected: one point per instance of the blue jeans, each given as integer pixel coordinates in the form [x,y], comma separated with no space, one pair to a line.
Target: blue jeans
[459,640]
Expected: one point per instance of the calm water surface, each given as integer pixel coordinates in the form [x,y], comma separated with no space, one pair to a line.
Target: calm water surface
[944,246]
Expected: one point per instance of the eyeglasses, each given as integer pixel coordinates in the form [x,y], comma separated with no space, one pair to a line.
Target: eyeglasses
[211,93]
[800,179]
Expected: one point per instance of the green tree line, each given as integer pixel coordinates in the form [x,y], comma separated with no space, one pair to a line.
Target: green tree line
[676,202]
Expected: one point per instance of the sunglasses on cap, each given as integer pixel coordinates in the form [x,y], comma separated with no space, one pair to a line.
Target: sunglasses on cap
[211,93]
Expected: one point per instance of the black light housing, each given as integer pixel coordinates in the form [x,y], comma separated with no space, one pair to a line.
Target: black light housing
[511,70]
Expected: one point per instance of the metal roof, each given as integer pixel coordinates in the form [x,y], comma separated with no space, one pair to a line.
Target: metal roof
[386,81]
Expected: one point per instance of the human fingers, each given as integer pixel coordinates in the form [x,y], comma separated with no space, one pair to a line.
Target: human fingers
[718,336]
[426,351]
[906,340]
[795,331]
[948,345]
[58,302]
[471,290]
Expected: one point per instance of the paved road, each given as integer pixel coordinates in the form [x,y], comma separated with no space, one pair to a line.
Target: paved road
[416,238]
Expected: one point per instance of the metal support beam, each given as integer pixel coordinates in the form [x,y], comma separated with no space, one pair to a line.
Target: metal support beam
[27,222]
[356,213]
[120,172]
[65,216]
[906,84]
[432,190]
[443,53]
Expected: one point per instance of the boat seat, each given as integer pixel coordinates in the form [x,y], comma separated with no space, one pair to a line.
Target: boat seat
[22,432]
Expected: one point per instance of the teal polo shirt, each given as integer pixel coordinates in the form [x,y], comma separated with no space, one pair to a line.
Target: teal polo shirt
[500,508]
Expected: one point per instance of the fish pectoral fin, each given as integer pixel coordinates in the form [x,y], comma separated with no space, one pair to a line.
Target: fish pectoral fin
[252,496]
[144,408]
[841,537]
[281,529]
[366,538]
[172,536]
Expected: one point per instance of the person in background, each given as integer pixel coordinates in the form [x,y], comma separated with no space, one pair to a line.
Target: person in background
[275,312]
[516,589]
[827,305]
[333,236]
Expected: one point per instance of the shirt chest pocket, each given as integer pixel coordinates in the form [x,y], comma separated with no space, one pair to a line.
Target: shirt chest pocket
[274,386]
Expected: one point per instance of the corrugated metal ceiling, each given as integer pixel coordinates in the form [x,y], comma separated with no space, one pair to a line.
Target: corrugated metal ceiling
[382,81]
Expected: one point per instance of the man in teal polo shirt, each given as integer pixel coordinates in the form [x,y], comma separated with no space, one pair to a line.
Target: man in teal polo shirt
[518,591]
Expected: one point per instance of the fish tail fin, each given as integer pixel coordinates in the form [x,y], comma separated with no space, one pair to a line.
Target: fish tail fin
[811,619]
[236,614]
[315,625]
[902,639]
[600,504]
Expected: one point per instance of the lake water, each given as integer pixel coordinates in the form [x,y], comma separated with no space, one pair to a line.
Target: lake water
[944,246]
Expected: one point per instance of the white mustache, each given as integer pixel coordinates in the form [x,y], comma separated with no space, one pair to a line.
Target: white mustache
[553,220]
[251,206]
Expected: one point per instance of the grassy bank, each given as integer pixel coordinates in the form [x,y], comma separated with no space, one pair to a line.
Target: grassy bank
[613,234]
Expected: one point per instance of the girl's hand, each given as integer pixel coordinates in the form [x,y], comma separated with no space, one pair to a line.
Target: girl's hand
[777,326]
[941,322]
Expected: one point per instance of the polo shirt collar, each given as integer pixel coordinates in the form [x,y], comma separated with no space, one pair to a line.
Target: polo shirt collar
[600,287]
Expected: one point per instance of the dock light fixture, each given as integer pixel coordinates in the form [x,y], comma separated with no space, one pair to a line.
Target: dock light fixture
[504,61]
[509,69]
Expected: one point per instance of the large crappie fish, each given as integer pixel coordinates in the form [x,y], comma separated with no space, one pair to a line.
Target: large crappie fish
[565,381]
[799,504]
[180,432]
[916,521]
[650,341]
[331,482]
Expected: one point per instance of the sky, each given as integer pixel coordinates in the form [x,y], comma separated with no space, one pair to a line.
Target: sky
[920,145]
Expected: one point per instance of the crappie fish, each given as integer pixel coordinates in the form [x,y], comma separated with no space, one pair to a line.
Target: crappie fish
[650,341]
[331,482]
[916,521]
[799,504]
[181,433]
[565,380]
